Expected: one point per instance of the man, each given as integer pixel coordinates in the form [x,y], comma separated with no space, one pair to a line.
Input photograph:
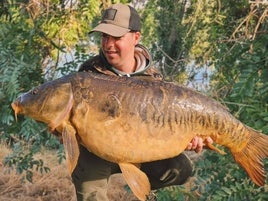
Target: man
[122,55]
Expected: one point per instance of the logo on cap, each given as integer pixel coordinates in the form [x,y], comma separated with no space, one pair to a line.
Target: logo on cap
[109,14]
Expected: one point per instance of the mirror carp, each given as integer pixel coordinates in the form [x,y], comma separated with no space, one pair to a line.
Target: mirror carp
[130,121]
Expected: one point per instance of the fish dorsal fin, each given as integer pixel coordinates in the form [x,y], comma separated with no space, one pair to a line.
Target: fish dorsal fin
[136,179]
[71,147]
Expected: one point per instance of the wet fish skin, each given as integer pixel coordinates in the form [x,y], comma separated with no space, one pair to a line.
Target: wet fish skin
[131,121]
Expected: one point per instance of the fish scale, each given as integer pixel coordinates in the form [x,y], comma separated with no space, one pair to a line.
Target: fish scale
[131,121]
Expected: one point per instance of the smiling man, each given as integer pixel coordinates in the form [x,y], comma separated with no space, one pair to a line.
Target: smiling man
[122,55]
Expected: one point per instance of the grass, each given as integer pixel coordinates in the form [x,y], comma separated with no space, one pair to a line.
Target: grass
[53,186]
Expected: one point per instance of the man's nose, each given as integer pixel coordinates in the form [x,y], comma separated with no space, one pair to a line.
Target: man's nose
[109,40]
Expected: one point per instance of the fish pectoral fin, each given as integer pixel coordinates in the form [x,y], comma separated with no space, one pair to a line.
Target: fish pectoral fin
[136,179]
[212,147]
[71,147]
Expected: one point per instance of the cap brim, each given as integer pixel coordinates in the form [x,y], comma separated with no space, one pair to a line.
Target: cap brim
[110,29]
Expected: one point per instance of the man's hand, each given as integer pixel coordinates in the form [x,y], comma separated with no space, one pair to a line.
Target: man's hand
[197,144]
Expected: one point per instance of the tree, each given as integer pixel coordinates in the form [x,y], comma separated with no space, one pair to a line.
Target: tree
[236,47]
[165,31]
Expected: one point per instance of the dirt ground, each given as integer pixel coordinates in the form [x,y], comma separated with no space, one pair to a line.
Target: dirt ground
[53,186]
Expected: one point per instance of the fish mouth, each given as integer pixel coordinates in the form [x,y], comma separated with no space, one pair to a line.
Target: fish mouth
[15,106]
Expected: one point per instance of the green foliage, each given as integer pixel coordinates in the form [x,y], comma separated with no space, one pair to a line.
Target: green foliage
[165,35]
[24,162]
[176,194]
[18,63]
[80,55]
[219,178]
[212,23]
[244,87]
[201,32]
[240,82]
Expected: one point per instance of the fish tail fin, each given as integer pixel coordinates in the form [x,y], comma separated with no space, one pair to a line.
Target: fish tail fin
[251,156]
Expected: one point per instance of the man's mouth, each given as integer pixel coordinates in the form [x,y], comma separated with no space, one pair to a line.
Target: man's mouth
[110,51]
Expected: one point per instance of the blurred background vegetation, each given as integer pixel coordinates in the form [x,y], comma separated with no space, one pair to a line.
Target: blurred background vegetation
[219,47]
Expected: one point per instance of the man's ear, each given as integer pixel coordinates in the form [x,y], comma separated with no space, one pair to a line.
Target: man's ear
[137,37]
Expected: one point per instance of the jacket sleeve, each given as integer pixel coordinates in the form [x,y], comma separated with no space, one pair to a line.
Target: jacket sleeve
[154,73]
[89,65]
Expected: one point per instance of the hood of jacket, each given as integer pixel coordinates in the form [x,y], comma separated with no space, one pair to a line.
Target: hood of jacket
[143,59]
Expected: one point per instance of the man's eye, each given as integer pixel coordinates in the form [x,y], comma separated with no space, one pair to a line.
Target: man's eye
[104,35]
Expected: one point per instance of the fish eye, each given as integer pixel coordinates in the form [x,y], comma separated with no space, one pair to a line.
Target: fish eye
[34,91]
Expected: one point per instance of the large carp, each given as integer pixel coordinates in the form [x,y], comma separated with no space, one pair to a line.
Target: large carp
[130,121]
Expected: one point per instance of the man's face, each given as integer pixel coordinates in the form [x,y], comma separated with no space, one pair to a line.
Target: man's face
[119,50]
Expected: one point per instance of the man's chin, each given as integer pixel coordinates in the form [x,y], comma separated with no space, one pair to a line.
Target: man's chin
[111,61]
